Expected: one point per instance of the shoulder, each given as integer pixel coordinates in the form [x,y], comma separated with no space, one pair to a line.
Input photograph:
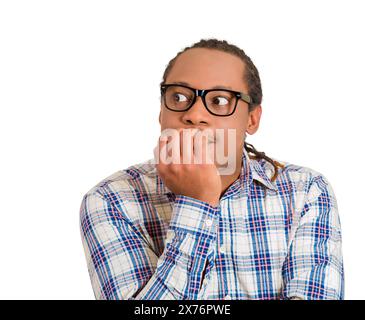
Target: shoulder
[302,178]
[126,180]
[121,187]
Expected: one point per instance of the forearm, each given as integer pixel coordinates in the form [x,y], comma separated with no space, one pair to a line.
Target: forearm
[180,269]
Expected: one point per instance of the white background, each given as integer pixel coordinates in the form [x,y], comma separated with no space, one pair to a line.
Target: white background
[74,80]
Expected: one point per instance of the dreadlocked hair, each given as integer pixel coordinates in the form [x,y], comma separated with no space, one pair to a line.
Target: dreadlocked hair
[250,76]
[261,155]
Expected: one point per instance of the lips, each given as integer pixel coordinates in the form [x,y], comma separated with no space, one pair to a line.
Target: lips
[209,135]
[211,138]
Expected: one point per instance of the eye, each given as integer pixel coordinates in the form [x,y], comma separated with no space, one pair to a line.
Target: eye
[221,101]
[179,97]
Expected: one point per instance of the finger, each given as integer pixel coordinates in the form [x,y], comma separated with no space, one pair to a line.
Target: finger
[203,148]
[210,148]
[193,134]
[187,146]
[198,152]
[174,147]
[211,144]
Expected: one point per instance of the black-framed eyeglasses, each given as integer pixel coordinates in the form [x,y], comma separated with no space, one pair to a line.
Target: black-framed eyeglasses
[219,102]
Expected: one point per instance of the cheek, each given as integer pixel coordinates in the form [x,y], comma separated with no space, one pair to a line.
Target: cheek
[167,119]
[230,139]
[237,125]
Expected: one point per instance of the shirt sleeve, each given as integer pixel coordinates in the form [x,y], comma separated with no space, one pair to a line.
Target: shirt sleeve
[122,264]
[313,268]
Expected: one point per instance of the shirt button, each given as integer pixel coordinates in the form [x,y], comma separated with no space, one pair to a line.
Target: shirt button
[222,249]
[208,223]
[227,297]
[170,234]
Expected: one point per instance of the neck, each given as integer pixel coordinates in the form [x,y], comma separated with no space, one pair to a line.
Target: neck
[227,180]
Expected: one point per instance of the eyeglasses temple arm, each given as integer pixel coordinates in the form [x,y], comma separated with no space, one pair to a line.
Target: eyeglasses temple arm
[246,97]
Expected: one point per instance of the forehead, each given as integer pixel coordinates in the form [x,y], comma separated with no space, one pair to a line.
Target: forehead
[208,68]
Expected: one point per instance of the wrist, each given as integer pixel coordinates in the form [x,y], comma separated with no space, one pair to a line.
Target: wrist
[213,201]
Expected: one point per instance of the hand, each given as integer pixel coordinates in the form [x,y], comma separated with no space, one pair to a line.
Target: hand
[184,175]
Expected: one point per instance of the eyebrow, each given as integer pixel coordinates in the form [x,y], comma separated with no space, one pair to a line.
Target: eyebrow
[215,87]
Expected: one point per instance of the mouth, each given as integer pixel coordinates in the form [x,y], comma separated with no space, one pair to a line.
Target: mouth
[211,138]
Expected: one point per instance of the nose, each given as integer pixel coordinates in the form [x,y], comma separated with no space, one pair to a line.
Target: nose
[197,114]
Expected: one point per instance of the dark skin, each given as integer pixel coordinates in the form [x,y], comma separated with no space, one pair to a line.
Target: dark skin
[205,68]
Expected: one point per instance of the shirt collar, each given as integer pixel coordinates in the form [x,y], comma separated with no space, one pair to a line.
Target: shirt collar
[257,170]
[252,169]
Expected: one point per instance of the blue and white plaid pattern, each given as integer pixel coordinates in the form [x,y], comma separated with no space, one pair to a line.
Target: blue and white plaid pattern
[266,240]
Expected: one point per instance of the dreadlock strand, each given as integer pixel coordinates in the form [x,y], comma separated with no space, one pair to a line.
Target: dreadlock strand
[261,155]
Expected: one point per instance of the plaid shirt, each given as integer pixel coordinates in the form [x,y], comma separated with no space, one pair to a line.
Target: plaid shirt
[265,240]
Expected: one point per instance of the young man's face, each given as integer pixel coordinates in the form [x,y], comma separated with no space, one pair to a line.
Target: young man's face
[204,68]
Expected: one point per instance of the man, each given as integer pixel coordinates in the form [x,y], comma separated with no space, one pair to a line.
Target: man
[182,230]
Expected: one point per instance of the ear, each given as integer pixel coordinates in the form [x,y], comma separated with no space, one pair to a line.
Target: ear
[254,120]
[159,118]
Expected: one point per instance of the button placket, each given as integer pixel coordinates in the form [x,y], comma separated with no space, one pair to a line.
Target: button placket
[222,249]
[208,222]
